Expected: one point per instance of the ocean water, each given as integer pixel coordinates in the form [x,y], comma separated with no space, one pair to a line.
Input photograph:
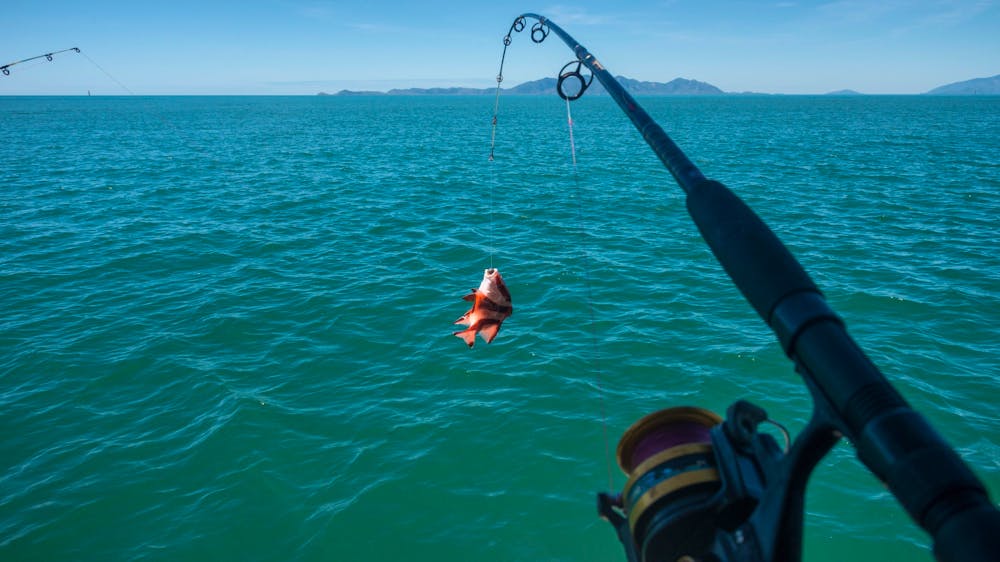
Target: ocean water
[227,321]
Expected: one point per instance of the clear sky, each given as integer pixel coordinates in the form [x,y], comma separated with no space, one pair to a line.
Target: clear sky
[307,46]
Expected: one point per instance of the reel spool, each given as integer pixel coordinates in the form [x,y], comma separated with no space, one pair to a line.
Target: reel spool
[672,475]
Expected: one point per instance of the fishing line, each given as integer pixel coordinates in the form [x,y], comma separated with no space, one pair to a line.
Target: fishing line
[493,143]
[106,73]
[518,25]
[492,163]
[588,285]
[493,171]
[571,71]
[572,145]
[493,182]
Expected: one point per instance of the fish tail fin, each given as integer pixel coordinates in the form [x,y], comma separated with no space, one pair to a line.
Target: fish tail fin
[464,319]
[489,331]
[468,335]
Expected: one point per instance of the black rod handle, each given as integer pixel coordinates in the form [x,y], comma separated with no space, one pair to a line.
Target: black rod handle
[760,265]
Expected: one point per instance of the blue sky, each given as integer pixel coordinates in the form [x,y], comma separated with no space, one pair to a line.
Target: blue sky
[306,46]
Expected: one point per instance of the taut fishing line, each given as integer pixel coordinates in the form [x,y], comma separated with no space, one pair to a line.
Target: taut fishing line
[572,144]
[598,371]
[517,26]
[539,32]
[493,183]
[106,73]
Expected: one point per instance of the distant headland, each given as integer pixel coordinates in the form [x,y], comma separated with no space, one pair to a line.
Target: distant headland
[975,87]
[677,87]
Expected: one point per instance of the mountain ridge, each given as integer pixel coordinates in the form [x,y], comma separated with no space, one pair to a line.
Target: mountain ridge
[676,87]
[547,86]
[989,86]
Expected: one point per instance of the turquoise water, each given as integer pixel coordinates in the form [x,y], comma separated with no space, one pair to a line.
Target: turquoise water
[226,329]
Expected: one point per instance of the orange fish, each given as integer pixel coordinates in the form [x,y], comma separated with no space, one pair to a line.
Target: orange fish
[491,306]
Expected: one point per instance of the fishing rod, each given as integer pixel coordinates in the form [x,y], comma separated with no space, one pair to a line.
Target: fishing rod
[5,69]
[704,488]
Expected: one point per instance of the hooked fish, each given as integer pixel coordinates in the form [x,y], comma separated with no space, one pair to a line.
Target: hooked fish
[491,306]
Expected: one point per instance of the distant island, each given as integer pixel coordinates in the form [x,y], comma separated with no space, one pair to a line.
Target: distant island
[547,86]
[975,87]
[676,87]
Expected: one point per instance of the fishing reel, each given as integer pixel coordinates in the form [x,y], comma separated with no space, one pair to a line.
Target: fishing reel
[694,481]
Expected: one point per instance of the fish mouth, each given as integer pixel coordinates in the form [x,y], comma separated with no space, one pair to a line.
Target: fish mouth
[491,271]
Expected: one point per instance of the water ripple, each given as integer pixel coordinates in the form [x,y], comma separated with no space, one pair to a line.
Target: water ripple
[227,321]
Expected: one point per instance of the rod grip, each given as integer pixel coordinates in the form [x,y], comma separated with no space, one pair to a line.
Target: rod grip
[970,535]
[759,264]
